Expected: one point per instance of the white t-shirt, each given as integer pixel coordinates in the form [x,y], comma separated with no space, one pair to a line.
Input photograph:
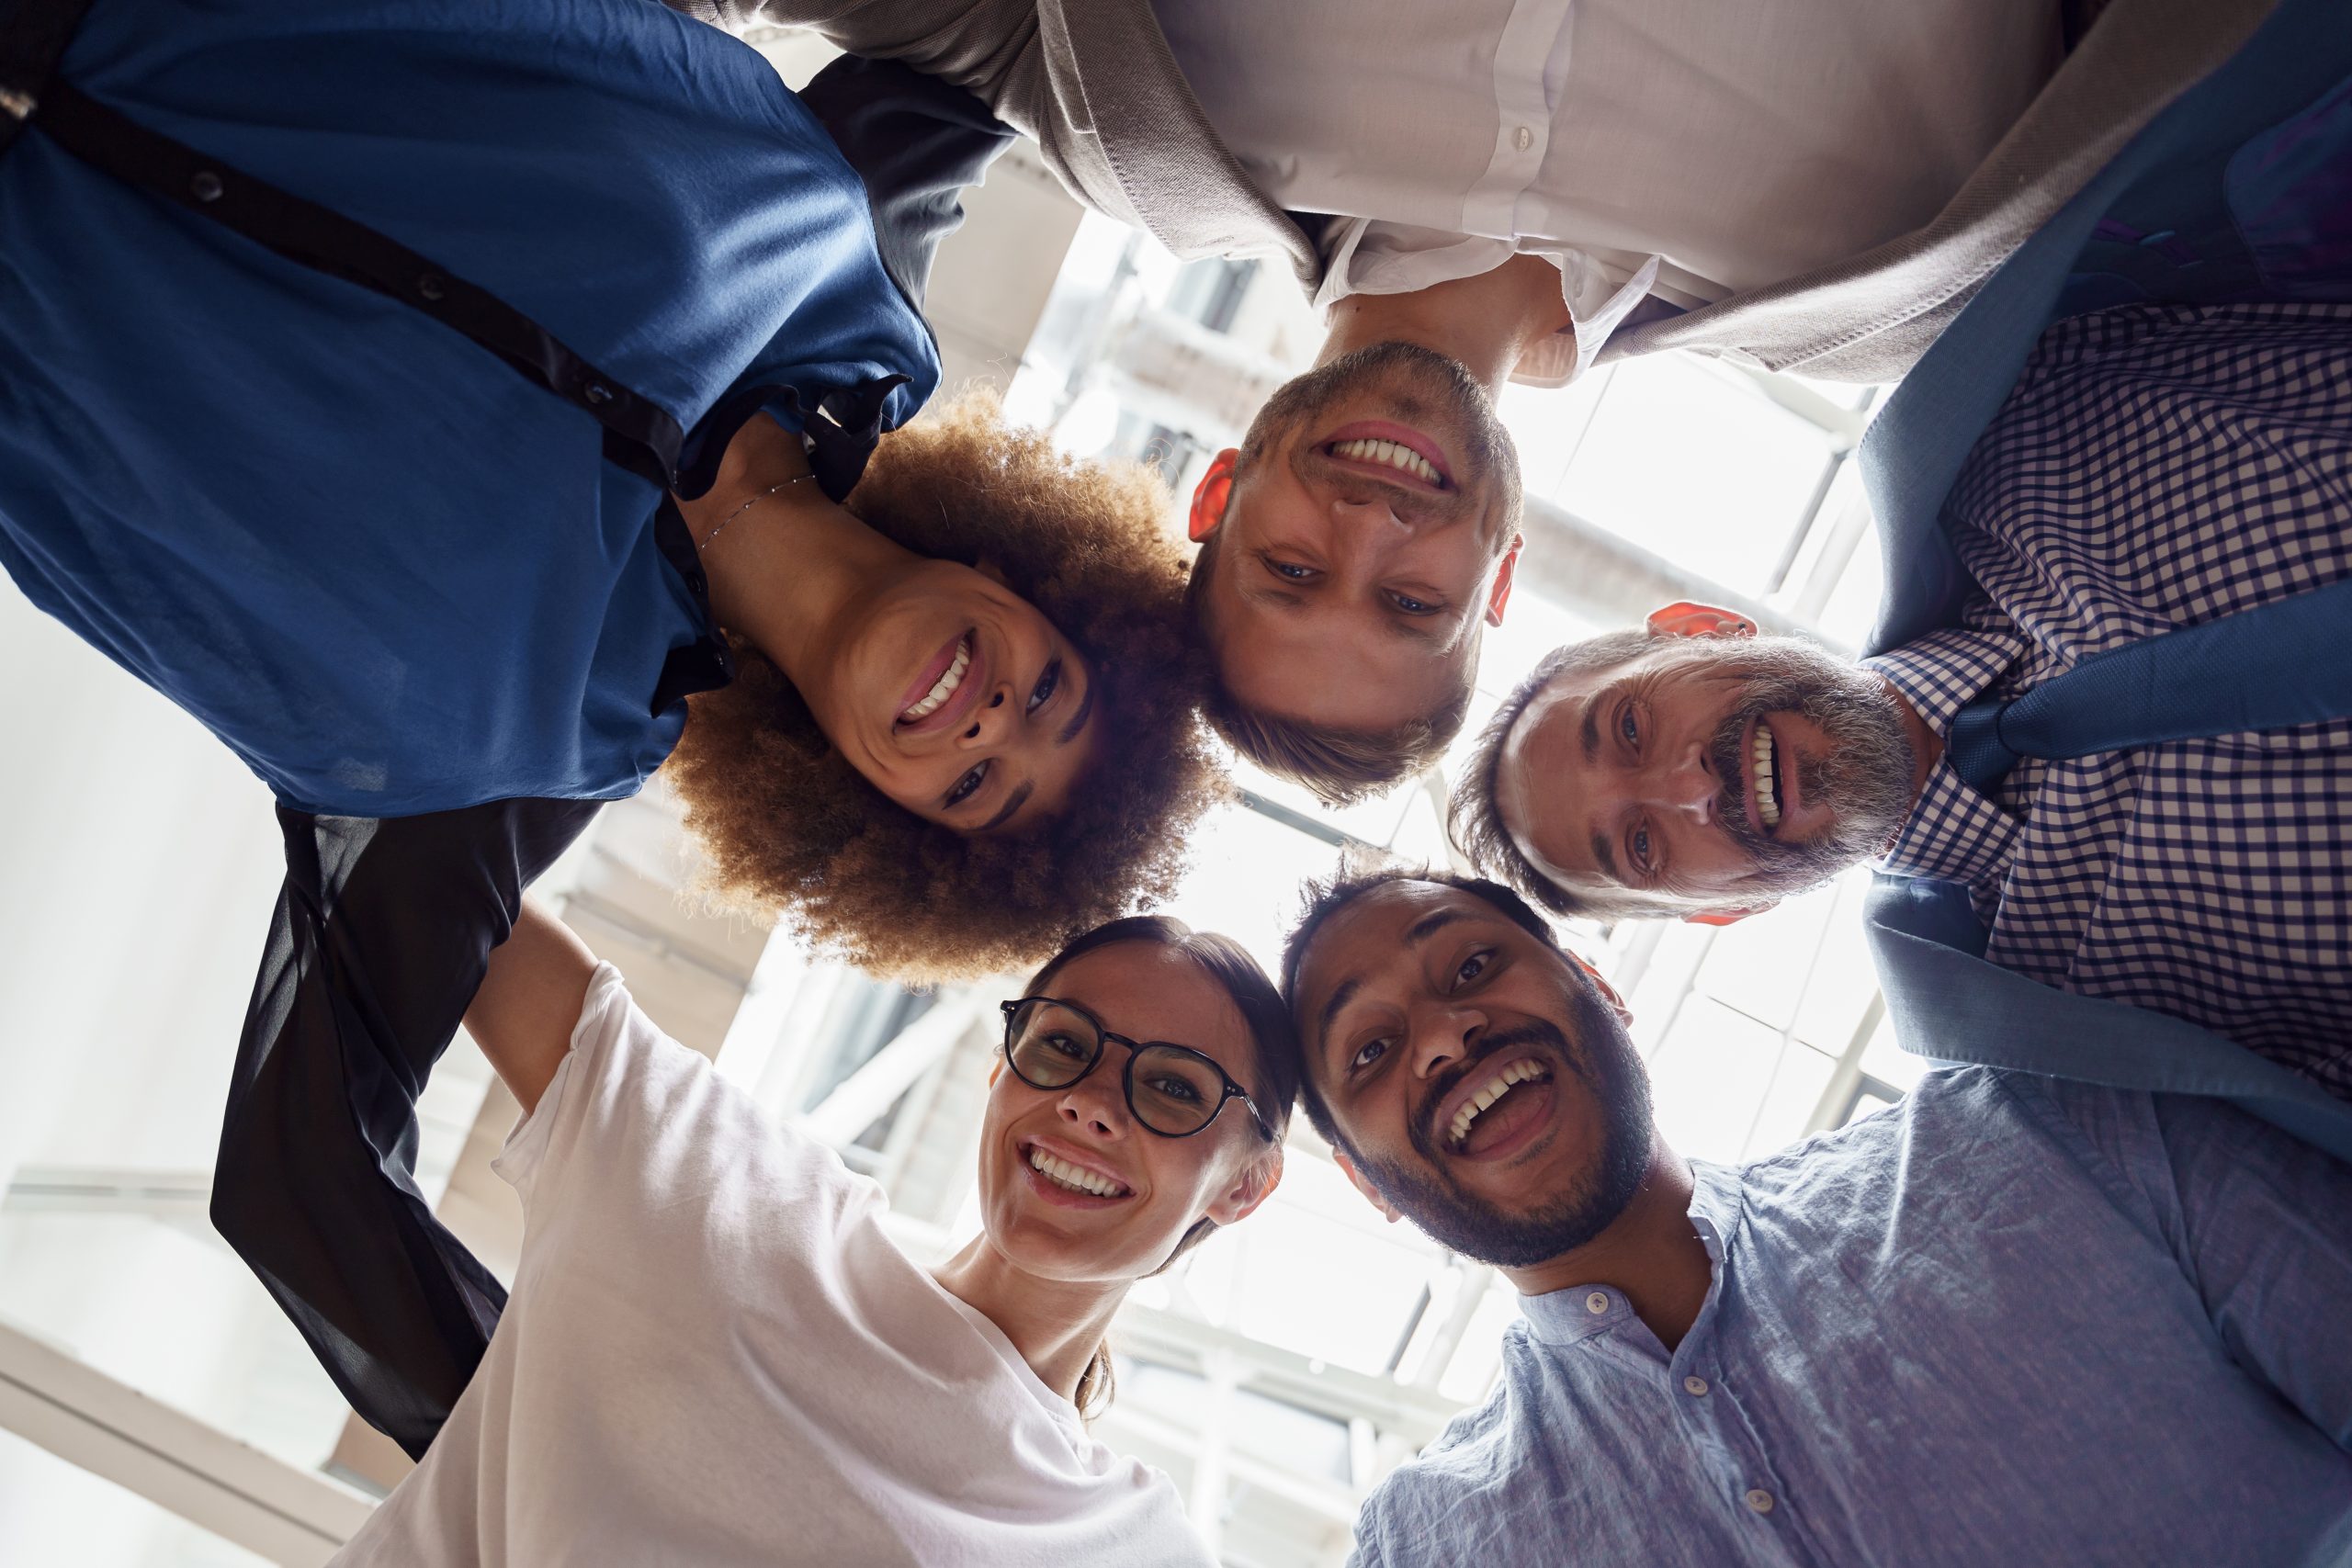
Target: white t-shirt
[714,1355]
[1692,148]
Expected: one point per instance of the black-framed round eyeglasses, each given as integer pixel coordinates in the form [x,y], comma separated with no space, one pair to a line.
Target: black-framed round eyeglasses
[1172,1090]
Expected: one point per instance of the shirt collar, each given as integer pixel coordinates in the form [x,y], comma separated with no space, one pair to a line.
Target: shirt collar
[1952,831]
[1579,1312]
[1943,671]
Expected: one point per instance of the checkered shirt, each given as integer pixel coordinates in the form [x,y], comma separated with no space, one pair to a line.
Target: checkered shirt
[2156,466]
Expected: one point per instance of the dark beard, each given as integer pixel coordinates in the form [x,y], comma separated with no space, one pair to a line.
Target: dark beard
[1603,1058]
[1865,779]
[1423,387]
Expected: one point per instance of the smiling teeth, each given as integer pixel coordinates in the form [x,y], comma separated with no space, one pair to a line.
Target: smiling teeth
[1768,792]
[1390,453]
[1524,1070]
[1061,1173]
[944,689]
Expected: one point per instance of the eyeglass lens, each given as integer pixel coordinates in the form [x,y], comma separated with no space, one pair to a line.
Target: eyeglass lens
[1171,1091]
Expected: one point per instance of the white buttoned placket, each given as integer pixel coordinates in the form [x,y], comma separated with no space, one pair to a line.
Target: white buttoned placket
[1531,65]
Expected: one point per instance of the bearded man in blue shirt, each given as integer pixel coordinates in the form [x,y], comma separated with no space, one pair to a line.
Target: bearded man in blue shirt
[2012,1319]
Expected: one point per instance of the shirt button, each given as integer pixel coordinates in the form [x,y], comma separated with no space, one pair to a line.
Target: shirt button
[205,187]
[1696,1386]
[1523,137]
[1596,1302]
[1760,1499]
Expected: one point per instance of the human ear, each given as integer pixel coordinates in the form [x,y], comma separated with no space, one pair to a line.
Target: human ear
[1253,1186]
[1500,595]
[993,572]
[1371,1194]
[1728,917]
[1212,496]
[1685,618]
[1608,992]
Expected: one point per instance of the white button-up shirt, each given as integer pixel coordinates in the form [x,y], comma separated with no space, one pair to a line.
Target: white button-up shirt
[1691,148]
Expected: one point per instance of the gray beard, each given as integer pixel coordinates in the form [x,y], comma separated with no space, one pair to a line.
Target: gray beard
[1865,779]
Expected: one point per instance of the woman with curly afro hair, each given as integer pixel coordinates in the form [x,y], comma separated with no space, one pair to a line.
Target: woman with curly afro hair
[962,727]
[416,393]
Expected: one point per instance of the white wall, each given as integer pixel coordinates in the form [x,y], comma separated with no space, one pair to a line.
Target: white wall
[139,863]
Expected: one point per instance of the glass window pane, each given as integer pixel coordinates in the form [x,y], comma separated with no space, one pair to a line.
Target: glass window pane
[1761,964]
[1797,1082]
[1708,1078]
[1688,462]
[51,1512]
[1316,1270]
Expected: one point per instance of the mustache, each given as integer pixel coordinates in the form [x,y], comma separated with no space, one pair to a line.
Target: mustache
[1865,776]
[1534,1032]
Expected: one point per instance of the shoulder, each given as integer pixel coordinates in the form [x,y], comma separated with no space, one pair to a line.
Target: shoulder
[1953,1117]
[632,1117]
[1965,1134]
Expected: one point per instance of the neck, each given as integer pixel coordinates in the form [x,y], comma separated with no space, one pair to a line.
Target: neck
[1649,1252]
[1484,323]
[1927,745]
[1057,1325]
[788,569]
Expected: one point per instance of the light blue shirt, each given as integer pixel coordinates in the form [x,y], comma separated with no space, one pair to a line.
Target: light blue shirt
[2011,1321]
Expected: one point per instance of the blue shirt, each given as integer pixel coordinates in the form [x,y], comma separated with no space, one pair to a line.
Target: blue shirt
[392,573]
[2011,1320]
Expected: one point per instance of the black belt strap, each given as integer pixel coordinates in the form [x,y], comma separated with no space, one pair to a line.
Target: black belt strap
[640,436]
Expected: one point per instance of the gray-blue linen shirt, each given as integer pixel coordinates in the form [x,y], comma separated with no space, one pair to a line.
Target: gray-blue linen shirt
[2010,1321]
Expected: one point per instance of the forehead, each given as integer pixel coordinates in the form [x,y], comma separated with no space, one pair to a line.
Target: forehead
[1372,937]
[1333,666]
[1664,656]
[1152,993]
[1545,745]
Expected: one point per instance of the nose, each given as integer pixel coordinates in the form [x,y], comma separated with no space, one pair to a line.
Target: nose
[1444,1033]
[1093,1106]
[992,722]
[1684,783]
[1373,510]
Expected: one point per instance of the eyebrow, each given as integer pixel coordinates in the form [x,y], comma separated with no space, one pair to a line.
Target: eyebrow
[1606,857]
[1427,925]
[1345,992]
[1078,720]
[1590,733]
[1019,798]
[1341,997]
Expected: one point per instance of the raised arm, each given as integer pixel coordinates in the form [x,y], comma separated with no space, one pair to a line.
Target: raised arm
[378,946]
[523,1014]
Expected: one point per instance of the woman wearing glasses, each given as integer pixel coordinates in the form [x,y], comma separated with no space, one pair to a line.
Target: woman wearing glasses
[716,1355]
[464,409]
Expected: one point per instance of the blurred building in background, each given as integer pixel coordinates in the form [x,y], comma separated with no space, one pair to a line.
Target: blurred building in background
[156,1412]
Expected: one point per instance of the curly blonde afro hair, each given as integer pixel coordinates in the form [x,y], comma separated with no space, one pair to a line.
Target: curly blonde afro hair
[788,825]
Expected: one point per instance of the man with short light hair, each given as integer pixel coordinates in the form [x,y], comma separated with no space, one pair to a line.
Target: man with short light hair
[1355,547]
[1497,190]
[2012,1319]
